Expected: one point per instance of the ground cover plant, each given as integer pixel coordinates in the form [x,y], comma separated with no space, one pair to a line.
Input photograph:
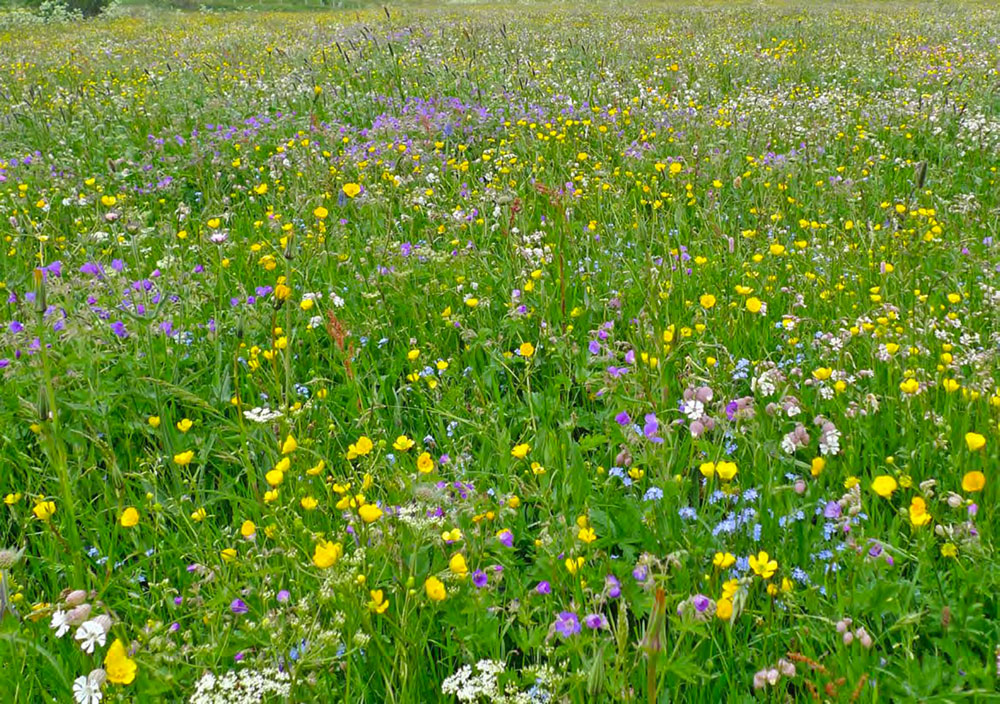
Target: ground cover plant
[508,353]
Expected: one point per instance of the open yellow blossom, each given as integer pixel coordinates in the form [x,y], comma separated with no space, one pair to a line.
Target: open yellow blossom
[351,189]
[44,510]
[918,512]
[973,481]
[327,553]
[370,513]
[975,442]
[587,535]
[360,448]
[707,301]
[724,560]
[289,445]
[457,564]
[726,470]
[723,609]
[763,565]
[117,664]
[435,590]
[403,443]
[248,529]
[183,459]
[520,451]
[425,464]
[378,603]
[129,518]
[884,485]
[526,349]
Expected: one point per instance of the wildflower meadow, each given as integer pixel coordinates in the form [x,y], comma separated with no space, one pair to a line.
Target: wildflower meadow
[513,352]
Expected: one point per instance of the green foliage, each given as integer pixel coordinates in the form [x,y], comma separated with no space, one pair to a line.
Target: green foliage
[574,354]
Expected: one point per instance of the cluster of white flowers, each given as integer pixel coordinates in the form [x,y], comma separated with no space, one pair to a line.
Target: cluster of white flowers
[241,687]
[261,414]
[468,686]
[479,683]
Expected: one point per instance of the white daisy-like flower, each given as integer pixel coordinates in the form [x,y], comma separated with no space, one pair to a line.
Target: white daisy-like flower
[694,409]
[60,623]
[91,634]
[87,690]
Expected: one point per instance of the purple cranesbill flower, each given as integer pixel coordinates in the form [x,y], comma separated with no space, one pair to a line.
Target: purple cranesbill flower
[651,427]
[91,268]
[701,602]
[594,347]
[283,596]
[506,537]
[543,587]
[832,510]
[640,573]
[15,327]
[178,600]
[118,328]
[174,627]
[731,409]
[595,621]
[567,624]
[480,579]
[875,550]
[623,418]
[239,656]
[405,249]
[239,606]
[613,586]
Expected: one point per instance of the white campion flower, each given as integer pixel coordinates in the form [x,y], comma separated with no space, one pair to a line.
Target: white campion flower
[91,634]
[87,688]
[60,623]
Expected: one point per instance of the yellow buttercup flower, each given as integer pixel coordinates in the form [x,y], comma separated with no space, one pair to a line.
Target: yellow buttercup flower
[289,445]
[129,518]
[884,485]
[973,481]
[458,565]
[975,442]
[351,189]
[360,448]
[370,513]
[520,451]
[403,443]
[117,664]
[918,512]
[327,553]
[435,589]
[724,560]
[183,459]
[44,510]
[248,529]
[763,565]
[425,465]
[378,603]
